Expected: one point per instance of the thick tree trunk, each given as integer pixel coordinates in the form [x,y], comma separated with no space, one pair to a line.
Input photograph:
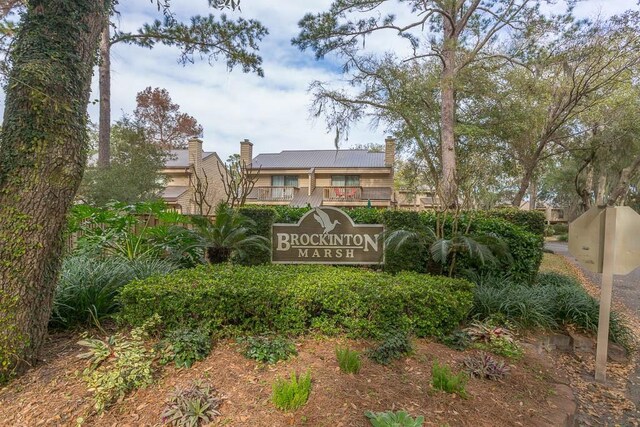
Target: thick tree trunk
[42,158]
[448,185]
[104,78]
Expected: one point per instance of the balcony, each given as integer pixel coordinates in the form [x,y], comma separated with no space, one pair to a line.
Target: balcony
[342,194]
[276,194]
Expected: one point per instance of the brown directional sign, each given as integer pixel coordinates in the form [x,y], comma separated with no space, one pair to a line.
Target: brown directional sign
[327,235]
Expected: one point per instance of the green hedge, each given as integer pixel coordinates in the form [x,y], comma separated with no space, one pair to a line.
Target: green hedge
[293,299]
[532,221]
[525,247]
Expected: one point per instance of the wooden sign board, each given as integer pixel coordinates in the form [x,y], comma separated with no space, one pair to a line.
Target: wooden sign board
[327,235]
[587,233]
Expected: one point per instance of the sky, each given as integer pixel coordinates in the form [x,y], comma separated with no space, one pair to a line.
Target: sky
[272,112]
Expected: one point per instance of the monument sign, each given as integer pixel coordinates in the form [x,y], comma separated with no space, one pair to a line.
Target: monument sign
[327,235]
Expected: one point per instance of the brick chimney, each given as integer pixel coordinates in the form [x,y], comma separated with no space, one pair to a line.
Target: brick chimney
[195,153]
[389,151]
[246,152]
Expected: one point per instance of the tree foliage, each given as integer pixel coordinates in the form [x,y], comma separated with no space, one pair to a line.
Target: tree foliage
[162,121]
[134,175]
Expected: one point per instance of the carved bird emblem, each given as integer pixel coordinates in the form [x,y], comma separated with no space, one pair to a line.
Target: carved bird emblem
[324,220]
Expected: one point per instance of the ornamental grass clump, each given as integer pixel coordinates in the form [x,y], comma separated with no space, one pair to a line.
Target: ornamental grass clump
[289,395]
[348,360]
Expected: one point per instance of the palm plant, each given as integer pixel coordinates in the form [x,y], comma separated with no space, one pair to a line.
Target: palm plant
[229,233]
[444,252]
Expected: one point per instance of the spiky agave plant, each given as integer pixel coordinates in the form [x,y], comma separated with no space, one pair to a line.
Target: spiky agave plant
[229,232]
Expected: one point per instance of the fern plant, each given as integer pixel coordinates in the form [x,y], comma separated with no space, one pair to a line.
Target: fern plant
[291,394]
[393,419]
[443,379]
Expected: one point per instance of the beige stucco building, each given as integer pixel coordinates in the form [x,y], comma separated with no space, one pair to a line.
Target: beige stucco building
[194,184]
[340,178]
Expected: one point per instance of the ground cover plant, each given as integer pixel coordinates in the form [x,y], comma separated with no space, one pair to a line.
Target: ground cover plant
[291,299]
[198,404]
[393,419]
[484,365]
[394,345]
[348,360]
[268,349]
[494,338]
[293,393]
[185,346]
[443,379]
[118,364]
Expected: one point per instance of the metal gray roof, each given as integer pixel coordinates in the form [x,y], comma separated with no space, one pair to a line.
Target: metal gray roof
[173,192]
[180,158]
[303,159]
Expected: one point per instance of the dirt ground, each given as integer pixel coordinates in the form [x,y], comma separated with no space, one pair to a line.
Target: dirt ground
[53,394]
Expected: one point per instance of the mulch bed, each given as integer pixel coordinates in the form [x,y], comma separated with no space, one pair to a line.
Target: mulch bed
[54,394]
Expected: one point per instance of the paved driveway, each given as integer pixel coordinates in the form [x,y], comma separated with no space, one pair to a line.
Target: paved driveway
[626,289]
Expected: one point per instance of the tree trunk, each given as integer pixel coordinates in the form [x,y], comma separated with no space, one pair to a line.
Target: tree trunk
[522,189]
[601,189]
[42,158]
[448,184]
[533,195]
[622,187]
[104,77]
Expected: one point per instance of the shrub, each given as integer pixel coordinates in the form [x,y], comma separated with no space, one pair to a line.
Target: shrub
[195,405]
[289,214]
[524,248]
[185,346]
[87,288]
[563,237]
[443,379]
[457,340]
[289,299]
[394,345]
[348,360]
[118,365]
[291,394]
[560,229]
[484,365]
[268,349]
[393,419]
[532,221]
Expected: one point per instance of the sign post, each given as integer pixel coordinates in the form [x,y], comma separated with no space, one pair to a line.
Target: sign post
[608,262]
[607,241]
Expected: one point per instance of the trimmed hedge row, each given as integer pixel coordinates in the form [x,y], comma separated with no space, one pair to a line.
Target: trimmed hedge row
[525,247]
[293,299]
[532,221]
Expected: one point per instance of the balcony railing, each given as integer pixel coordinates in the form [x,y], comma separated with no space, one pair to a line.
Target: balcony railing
[343,194]
[276,193]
